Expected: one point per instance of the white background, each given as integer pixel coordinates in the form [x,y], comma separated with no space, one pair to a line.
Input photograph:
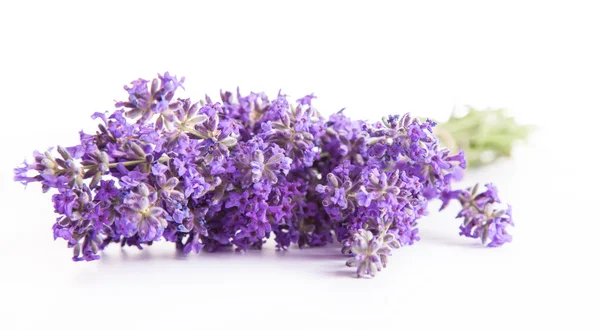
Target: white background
[60,62]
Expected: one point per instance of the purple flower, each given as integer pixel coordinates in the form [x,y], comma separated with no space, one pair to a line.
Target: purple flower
[255,168]
[363,197]
[64,202]
[293,130]
[384,189]
[370,252]
[491,194]
[195,186]
[193,243]
[334,193]
[482,218]
[497,228]
[139,209]
[306,100]
[216,140]
[238,199]
[131,179]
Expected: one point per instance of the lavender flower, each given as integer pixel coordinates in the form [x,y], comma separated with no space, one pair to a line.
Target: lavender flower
[253,166]
[141,215]
[482,216]
[206,175]
[370,252]
[336,192]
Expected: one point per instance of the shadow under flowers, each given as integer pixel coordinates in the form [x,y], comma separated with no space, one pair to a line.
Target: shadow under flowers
[116,255]
[430,237]
[327,260]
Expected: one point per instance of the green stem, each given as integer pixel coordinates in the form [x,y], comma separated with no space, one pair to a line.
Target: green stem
[192,131]
[383,233]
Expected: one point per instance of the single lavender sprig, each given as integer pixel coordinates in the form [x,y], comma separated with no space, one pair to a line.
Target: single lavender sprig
[483,216]
[232,173]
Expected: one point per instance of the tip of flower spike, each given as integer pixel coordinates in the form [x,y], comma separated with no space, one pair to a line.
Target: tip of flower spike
[166,79]
[306,100]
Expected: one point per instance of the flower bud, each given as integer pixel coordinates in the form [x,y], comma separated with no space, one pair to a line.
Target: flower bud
[63,152]
[154,86]
[137,149]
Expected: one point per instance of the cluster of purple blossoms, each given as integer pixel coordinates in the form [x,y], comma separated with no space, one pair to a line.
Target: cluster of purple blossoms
[207,175]
[483,216]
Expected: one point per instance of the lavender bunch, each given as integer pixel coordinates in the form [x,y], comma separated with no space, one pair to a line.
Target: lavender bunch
[208,175]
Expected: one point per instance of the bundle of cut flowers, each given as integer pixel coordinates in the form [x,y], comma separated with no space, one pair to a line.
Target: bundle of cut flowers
[207,175]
